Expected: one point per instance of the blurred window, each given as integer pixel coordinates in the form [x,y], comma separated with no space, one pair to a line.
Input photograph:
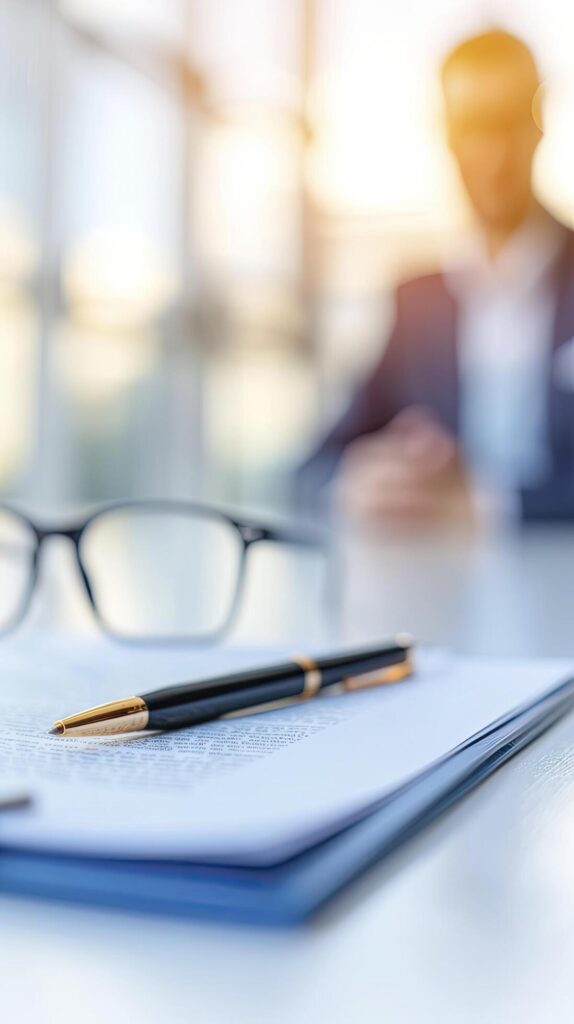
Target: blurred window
[204,207]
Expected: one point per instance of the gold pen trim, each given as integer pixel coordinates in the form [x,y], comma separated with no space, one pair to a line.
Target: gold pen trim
[380,677]
[130,714]
[312,678]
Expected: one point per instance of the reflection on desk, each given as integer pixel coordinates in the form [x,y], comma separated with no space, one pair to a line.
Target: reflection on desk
[498,594]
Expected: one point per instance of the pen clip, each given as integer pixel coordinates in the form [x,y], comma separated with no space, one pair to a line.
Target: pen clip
[380,677]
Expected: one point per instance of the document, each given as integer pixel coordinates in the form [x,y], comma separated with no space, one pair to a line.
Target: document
[253,789]
[35,692]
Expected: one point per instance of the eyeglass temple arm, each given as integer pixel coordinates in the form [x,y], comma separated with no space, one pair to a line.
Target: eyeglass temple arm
[320,540]
[299,536]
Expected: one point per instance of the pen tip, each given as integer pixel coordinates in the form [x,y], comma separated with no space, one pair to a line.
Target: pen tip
[57,729]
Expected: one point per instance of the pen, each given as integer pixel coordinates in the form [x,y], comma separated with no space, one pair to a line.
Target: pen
[12,796]
[196,702]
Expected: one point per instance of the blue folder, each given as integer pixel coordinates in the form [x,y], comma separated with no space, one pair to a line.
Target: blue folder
[290,892]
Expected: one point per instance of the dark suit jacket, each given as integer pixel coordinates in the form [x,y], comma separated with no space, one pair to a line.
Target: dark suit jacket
[420,367]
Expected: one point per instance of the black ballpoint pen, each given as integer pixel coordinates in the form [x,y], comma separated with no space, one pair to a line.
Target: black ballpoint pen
[192,703]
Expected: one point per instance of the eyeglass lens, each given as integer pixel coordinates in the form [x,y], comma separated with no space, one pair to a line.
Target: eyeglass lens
[17,543]
[162,573]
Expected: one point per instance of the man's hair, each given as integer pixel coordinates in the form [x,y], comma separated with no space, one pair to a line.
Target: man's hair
[490,49]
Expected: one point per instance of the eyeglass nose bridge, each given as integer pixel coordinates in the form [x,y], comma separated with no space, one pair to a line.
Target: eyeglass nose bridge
[43,533]
[71,533]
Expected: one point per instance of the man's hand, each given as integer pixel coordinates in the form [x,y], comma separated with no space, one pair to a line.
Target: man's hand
[409,474]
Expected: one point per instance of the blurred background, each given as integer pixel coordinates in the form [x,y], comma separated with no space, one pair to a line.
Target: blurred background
[204,208]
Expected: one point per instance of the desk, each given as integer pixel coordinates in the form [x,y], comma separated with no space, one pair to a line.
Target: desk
[473,922]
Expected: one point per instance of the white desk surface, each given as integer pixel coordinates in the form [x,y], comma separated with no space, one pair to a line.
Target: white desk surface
[472,922]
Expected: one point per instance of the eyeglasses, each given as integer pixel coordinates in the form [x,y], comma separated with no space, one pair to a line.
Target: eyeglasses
[152,570]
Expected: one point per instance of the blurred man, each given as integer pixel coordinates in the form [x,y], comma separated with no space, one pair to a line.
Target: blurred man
[470,410]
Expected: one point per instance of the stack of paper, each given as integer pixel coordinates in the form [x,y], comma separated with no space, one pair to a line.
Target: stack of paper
[239,817]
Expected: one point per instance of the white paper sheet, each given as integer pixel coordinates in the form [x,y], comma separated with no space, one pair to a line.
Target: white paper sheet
[250,790]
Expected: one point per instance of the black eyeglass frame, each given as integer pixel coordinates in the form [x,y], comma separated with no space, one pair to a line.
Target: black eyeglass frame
[249,532]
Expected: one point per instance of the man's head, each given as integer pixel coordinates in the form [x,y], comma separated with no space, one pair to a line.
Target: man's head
[489,85]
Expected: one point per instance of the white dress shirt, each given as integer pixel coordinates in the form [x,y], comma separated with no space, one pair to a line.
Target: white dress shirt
[506,315]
